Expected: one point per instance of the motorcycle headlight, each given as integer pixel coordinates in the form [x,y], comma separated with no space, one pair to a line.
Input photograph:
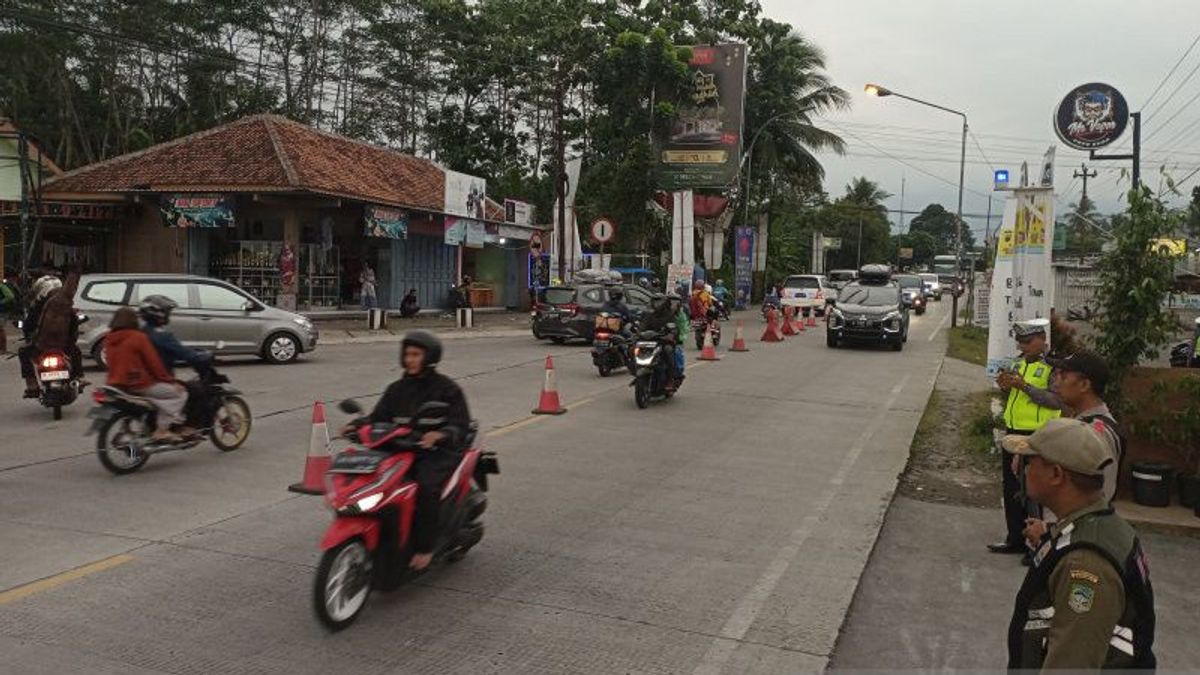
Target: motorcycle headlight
[369,502]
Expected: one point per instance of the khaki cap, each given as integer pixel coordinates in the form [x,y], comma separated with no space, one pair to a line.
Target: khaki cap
[1074,445]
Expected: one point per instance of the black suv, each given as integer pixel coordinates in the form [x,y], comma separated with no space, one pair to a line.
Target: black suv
[569,311]
[870,310]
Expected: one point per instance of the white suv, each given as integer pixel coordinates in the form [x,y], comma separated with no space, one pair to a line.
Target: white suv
[807,292]
[933,287]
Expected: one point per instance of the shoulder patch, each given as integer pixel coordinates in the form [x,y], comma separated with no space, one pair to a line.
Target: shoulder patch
[1080,597]
[1085,575]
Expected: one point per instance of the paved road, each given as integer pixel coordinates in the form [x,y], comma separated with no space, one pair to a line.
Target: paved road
[722,531]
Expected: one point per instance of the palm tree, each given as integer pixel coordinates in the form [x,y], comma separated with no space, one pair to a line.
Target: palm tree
[867,194]
[786,88]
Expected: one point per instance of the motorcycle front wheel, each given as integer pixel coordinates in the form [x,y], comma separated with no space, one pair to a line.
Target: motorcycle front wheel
[343,584]
[119,444]
[641,391]
[231,424]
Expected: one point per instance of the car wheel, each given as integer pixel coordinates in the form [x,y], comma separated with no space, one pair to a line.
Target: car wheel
[537,334]
[281,348]
[831,341]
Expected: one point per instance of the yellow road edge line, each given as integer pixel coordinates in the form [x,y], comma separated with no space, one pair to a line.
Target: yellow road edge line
[20,592]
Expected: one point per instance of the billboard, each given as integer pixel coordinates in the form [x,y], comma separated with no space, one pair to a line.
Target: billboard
[196,210]
[518,212]
[704,146]
[382,221]
[743,266]
[464,195]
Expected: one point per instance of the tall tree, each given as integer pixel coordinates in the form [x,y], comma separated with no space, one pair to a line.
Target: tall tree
[940,224]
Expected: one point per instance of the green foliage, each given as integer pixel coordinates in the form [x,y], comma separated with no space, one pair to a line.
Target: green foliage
[1134,281]
[968,343]
[938,223]
[1170,416]
[1083,223]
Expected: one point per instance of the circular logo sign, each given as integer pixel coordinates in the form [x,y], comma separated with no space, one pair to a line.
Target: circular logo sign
[1091,116]
[603,230]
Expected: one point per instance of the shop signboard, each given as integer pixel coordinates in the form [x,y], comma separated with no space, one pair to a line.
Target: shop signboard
[680,272]
[465,195]
[517,212]
[385,221]
[703,147]
[456,231]
[1091,116]
[196,210]
[743,266]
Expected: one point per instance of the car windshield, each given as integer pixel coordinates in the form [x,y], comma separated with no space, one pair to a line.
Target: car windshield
[909,282]
[869,296]
[801,282]
[560,296]
[929,277]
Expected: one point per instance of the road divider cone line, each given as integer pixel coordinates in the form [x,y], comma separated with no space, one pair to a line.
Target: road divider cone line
[709,352]
[739,341]
[318,459]
[772,334]
[798,317]
[789,325]
[548,403]
[812,317]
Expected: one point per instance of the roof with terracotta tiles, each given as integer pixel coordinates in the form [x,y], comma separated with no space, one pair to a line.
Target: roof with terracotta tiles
[267,153]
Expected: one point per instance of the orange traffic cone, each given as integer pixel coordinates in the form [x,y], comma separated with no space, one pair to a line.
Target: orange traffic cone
[812,317]
[739,341]
[789,325]
[709,352]
[772,334]
[317,462]
[548,404]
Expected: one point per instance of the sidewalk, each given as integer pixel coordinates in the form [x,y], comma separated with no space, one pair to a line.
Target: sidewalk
[350,327]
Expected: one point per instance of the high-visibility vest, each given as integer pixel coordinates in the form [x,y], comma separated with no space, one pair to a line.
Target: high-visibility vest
[1021,413]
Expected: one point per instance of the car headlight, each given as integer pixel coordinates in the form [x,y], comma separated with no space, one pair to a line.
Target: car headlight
[891,316]
[303,323]
[838,313]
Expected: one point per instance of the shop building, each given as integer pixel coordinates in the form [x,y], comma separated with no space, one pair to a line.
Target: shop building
[294,215]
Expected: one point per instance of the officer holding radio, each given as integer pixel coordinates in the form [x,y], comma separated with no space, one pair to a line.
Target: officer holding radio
[1029,406]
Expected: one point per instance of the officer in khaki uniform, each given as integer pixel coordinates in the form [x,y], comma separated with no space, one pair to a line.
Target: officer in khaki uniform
[1086,603]
[1030,404]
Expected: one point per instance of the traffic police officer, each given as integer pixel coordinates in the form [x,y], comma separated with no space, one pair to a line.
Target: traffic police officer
[1030,405]
[1086,603]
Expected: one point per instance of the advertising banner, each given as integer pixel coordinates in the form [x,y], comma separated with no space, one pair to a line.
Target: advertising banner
[704,146]
[677,273]
[574,248]
[456,231]
[539,270]
[1022,279]
[743,266]
[1091,116]
[518,213]
[384,221]
[196,210]
[464,195]
[476,233]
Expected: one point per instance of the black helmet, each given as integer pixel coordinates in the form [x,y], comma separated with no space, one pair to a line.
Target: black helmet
[156,309]
[425,340]
[616,294]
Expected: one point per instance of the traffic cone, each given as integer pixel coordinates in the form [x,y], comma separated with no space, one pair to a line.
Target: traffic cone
[317,462]
[709,352]
[772,334]
[812,318]
[789,326]
[739,342]
[798,317]
[548,404]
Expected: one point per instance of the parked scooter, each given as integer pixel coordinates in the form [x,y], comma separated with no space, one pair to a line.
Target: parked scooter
[125,422]
[373,498]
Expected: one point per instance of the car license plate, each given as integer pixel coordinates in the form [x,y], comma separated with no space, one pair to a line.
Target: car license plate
[52,375]
[860,322]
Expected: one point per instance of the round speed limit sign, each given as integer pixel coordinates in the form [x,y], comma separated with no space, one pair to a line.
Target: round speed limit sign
[603,230]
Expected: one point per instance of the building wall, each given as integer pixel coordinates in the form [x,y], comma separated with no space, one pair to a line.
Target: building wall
[146,246]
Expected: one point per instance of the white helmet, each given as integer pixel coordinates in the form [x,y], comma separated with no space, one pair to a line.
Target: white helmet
[44,286]
[708,288]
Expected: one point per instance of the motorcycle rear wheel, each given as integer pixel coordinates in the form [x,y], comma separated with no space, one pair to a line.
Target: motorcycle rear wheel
[604,369]
[342,584]
[236,412]
[115,444]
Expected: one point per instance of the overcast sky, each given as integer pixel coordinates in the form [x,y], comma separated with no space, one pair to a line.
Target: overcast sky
[1006,65]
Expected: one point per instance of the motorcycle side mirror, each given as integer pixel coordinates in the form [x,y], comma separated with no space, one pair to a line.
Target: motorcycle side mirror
[350,407]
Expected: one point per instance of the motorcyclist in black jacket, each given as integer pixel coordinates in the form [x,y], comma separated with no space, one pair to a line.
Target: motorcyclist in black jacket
[442,449]
[661,320]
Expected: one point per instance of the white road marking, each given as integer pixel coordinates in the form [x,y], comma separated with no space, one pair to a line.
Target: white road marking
[748,608]
[939,327]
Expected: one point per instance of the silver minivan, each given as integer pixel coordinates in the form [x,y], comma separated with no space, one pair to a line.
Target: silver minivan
[212,315]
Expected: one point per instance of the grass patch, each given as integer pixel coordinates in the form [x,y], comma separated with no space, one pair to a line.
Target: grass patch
[968,343]
[977,435]
[927,428]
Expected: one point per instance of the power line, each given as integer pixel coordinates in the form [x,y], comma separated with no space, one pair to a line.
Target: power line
[1172,71]
[906,163]
[1170,119]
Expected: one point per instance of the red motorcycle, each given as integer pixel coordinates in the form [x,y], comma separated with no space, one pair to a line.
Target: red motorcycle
[367,546]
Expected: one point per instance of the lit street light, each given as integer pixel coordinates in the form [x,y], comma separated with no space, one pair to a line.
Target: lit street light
[881,91]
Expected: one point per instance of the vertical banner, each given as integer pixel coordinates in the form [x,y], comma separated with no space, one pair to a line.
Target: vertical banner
[574,249]
[703,147]
[760,245]
[683,227]
[743,266]
[1022,280]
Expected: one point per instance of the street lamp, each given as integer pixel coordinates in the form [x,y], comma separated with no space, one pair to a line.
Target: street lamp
[881,91]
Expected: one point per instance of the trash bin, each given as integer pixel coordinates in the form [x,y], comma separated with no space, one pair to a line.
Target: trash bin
[376,319]
[465,317]
[1152,483]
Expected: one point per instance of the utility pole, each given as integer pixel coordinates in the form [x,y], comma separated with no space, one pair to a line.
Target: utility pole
[26,184]
[859,240]
[1085,175]
[560,169]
